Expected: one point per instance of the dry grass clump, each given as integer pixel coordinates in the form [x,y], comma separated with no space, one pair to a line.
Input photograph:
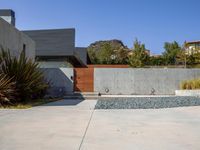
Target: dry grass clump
[190,84]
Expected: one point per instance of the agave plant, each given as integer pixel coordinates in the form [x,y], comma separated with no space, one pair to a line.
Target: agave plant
[29,80]
[7,90]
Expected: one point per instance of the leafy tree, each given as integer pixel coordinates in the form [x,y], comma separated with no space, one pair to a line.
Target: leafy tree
[106,55]
[93,56]
[181,58]
[108,52]
[171,52]
[139,56]
[190,60]
[156,61]
[121,56]
[197,57]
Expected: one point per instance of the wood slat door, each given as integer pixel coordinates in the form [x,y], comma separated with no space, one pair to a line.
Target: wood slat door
[84,79]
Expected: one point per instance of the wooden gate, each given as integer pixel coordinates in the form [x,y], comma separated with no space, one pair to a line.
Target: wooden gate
[84,79]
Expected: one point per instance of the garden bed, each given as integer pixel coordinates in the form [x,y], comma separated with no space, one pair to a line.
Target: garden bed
[146,102]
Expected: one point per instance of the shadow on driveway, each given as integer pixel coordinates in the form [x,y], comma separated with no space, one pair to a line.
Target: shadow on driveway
[65,103]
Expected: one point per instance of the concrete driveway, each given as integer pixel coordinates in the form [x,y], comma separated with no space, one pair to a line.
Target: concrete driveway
[74,125]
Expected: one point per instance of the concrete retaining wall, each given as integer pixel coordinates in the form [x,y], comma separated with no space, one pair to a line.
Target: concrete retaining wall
[141,81]
[122,81]
[60,80]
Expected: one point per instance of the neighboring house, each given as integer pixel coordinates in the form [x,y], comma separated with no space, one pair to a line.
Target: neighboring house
[192,47]
[12,39]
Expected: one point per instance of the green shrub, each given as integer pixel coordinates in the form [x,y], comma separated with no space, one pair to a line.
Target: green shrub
[7,90]
[28,79]
[190,84]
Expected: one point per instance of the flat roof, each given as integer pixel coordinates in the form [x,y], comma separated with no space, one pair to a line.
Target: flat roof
[192,42]
[43,30]
[7,12]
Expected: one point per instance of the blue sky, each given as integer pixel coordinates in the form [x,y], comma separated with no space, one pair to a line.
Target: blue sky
[153,22]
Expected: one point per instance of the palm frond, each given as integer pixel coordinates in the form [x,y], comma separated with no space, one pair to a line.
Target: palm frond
[7,89]
[24,72]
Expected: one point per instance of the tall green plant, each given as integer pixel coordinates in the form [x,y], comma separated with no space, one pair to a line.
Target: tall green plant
[29,80]
[172,50]
[106,53]
[139,57]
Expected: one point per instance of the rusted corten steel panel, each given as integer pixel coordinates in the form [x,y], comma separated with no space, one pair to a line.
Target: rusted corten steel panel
[84,79]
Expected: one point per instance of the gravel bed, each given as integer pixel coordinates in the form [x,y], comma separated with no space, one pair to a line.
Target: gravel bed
[146,102]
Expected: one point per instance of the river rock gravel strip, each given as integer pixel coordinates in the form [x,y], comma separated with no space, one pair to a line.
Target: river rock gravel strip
[146,102]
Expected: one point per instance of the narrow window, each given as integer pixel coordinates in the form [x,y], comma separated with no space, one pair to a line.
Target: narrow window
[24,49]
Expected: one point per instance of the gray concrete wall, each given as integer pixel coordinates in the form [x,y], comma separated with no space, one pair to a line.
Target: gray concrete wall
[54,64]
[81,53]
[58,42]
[141,81]
[8,15]
[60,80]
[13,39]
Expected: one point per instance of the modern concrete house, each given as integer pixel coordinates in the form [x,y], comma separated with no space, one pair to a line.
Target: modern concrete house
[12,39]
[66,66]
[52,48]
[56,48]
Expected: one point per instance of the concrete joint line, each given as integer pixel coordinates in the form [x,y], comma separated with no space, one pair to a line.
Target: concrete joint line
[86,130]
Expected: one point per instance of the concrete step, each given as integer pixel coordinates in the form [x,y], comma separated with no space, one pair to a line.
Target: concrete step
[84,95]
[87,93]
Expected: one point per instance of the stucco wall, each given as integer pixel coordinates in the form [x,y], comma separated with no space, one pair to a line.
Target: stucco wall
[60,80]
[13,39]
[141,81]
